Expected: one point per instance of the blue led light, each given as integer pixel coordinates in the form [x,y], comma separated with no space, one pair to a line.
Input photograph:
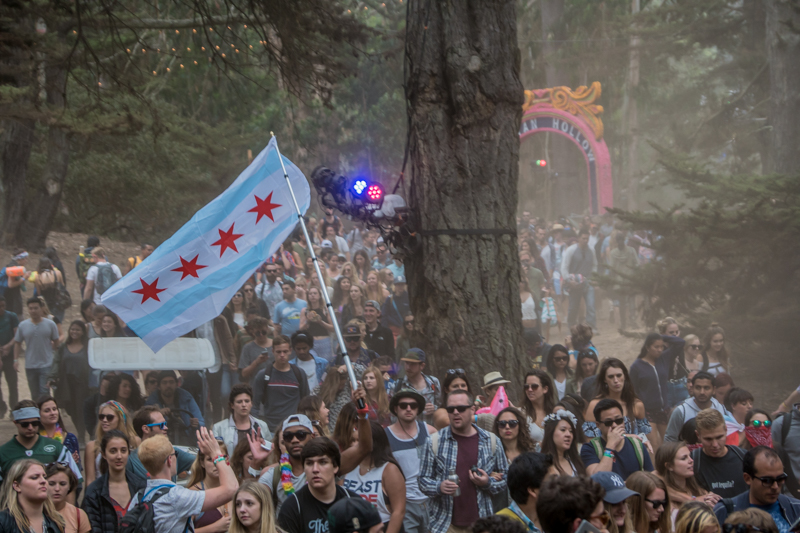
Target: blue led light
[359,186]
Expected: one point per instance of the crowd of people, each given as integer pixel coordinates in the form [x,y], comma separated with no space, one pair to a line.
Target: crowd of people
[273,438]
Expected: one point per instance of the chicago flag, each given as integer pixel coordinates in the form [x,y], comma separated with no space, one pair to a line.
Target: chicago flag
[189,279]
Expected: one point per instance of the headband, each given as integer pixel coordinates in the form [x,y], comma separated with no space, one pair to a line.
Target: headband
[25,413]
[562,414]
[19,256]
[118,406]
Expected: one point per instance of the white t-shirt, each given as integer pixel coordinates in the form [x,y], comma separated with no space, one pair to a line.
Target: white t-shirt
[561,387]
[310,368]
[175,508]
[91,275]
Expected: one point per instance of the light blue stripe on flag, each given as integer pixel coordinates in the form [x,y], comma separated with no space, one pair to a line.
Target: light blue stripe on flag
[222,244]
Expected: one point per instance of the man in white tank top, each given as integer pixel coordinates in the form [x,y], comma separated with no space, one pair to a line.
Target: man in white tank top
[406,438]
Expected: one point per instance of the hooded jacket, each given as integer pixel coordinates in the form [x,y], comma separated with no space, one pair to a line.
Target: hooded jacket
[685,412]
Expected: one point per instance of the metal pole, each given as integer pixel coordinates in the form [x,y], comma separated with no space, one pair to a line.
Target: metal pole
[323,290]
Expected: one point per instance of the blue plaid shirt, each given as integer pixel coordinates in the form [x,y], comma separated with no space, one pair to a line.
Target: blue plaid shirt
[434,469]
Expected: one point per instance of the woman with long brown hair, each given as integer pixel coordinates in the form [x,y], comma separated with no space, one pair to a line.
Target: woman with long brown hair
[355,308]
[316,411]
[675,466]
[377,399]
[562,443]
[538,401]
[651,512]
[25,503]
[511,426]
[614,382]
[715,356]
[206,476]
[71,373]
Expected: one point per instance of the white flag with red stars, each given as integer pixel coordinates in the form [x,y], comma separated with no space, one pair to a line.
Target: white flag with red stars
[189,279]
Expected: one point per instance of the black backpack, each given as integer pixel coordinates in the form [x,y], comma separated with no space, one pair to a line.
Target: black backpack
[106,277]
[142,518]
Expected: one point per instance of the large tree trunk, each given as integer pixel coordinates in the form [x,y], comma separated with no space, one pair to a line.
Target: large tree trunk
[465,105]
[783,49]
[17,143]
[41,211]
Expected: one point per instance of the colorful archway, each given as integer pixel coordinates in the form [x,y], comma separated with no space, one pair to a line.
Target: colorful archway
[574,115]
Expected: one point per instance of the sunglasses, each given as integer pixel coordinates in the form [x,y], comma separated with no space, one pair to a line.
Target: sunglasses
[248,290]
[108,418]
[507,423]
[604,518]
[26,425]
[767,481]
[409,322]
[352,339]
[532,386]
[160,425]
[561,358]
[694,346]
[657,504]
[759,423]
[261,332]
[407,405]
[289,436]
[617,421]
[272,271]
[456,371]
[460,408]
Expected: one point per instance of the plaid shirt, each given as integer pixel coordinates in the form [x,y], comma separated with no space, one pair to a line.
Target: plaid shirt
[434,469]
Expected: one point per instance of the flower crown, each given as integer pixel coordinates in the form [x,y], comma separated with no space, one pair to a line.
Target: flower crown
[562,414]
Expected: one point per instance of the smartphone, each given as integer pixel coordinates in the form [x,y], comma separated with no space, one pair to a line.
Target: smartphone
[587,527]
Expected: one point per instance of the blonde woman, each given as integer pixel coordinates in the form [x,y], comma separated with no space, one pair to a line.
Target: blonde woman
[696,517]
[25,502]
[206,476]
[253,510]
[111,415]
[693,353]
[349,271]
[374,289]
[651,512]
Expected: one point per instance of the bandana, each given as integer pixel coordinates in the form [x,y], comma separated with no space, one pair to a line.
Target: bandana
[758,436]
[23,255]
[118,406]
[25,413]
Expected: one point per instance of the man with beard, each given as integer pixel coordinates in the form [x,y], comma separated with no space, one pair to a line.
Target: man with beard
[296,432]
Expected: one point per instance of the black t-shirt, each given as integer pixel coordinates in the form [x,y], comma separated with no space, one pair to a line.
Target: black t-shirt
[720,475]
[380,340]
[302,512]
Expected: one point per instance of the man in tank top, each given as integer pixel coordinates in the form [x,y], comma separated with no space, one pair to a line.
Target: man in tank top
[407,436]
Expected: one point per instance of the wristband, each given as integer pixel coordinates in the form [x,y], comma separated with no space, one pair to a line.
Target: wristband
[364,411]
[610,454]
[219,458]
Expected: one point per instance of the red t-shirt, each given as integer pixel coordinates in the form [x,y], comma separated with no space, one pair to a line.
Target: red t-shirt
[465,507]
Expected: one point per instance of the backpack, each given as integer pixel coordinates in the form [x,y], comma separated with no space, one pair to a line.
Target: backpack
[85,261]
[106,277]
[637,448]
[3,282]
[142,518]
[298,374]
[63,299]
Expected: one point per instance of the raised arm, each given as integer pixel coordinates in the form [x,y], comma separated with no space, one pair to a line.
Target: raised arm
[227,479]
[353,456]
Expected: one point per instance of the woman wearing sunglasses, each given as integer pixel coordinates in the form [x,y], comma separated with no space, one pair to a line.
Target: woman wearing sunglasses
[111,415]
[538,401]
[651,513]
[205,476]
[561,442]
[107,498]
[675,466]
[757,429]
[456,379]
[512,428]
[557,364]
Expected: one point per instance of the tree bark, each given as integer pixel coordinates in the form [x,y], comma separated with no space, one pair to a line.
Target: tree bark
[17,144]
[41,211]
[465,105]
[783,49]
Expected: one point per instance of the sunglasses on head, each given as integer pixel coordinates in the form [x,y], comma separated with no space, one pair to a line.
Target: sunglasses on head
[657,504]
[617,421]
[289,436]
[26,425]
[532,386]
[759,423]
[106,417]
[456,371]
[407,405]
[160,425]
[507,423]
[768,481]
[460,408]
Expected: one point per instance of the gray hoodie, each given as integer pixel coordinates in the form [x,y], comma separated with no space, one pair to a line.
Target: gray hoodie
[685,412]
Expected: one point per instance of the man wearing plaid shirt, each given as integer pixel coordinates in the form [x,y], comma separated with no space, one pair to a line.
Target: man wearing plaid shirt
[460,447]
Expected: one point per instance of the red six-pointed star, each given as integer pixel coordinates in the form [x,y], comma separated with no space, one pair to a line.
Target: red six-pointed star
[189,268]
[149,291]
[264,208]
[227,239]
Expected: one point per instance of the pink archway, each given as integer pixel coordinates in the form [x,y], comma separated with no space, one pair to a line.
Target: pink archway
[573,114]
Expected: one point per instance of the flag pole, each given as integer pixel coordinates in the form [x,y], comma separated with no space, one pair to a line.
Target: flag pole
[323,290]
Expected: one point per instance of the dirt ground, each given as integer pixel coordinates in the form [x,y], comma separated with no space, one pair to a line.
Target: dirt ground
[756,374]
